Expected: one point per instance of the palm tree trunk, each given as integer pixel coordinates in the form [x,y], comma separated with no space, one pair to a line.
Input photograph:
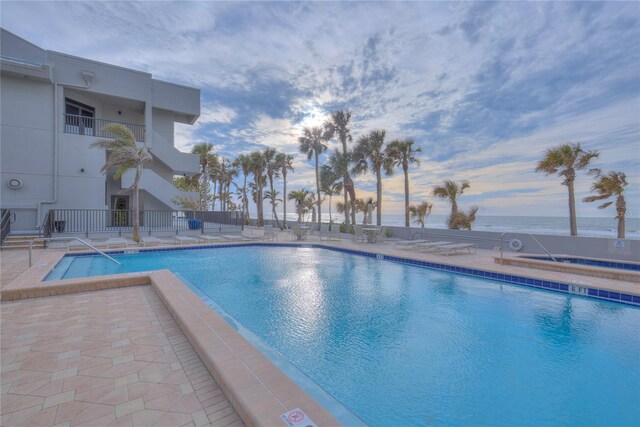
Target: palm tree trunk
[245,207]
[406,197]
[621,210]
[379,196]
[572,209]
[273,201]
[136,205]
[454,212]
[318,192]
[330,219]
[284,198]
[347,219]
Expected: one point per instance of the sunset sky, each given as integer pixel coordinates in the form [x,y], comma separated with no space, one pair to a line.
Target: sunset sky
[483,88]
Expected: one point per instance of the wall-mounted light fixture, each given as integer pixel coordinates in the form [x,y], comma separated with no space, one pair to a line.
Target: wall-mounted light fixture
[82,170]
[15,183]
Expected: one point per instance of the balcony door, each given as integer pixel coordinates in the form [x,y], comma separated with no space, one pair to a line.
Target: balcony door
[79,118]
[120,211]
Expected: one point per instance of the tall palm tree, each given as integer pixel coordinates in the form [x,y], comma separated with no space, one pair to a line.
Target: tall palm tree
[338,125]
[607,186]
[273,170]
[124,154]
[243,163]
[451,190]
[330,185]
[204,151]
[565,160]
[258,168]
[286,164]
[313,144]
[370,154]
[272,197]
[299,196]
[340,164]
[420,212]
[403,154]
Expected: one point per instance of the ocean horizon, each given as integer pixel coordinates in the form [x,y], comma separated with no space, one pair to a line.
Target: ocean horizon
[605,227]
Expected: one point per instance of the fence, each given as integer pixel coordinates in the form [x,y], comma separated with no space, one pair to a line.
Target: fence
[119,221]
[90,126]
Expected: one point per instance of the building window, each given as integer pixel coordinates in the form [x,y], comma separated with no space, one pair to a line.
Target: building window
[79,118]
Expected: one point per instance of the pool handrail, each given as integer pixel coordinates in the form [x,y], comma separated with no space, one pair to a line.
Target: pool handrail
[528,234]
[47,239]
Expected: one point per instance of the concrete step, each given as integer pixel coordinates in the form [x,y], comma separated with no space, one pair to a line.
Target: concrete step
[21,242]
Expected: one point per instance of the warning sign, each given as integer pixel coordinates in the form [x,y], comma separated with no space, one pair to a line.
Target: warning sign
[297,418]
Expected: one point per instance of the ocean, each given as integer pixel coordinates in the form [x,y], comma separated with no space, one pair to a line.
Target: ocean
[559,226]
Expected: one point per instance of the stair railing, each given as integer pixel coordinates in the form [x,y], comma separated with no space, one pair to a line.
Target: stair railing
[48,239]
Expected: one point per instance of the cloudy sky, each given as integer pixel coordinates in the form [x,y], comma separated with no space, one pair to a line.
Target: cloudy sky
[483,88]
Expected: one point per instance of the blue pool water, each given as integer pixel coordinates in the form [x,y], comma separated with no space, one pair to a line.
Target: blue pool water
[401,345]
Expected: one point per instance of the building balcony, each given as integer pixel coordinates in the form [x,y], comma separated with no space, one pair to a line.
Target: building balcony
[91,126]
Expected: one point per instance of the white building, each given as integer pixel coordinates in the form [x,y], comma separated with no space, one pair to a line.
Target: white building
[54,105]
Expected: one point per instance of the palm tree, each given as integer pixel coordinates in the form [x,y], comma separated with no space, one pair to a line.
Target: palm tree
[243,163]
[330,185]
[370,154]
[299,196]
[204,151]
[463,221]
[403,154]
[124,154]
[450,190]
[340,164]
[312,143]
[286,164]
[272,196]
[420,212]
[338,125]
[607,186]
[273,170]
[258,167]
[565,160]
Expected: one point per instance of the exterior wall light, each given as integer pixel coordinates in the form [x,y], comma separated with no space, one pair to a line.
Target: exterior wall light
[15,183]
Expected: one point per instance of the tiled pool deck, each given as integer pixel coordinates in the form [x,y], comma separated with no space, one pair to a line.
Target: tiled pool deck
[112,355]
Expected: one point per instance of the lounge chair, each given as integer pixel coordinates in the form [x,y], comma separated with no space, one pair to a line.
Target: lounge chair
[117,242]
[208,239]
[409,244]
[232,237]
[183,240]
[384,239]
[250,236]
[332,235]
[150,241]
[75,245]
[430,246]
[456,248]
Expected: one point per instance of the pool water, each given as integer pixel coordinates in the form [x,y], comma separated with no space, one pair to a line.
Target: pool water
[401,345]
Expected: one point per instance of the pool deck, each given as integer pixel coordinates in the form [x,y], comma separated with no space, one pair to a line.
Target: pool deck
[109,350]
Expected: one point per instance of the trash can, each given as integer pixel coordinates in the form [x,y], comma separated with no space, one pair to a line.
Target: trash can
[194,224]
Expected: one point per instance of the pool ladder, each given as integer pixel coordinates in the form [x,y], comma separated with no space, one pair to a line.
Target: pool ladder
[48,239]
[528,234]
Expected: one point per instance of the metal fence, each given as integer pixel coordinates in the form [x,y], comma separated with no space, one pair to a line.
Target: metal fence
[121,221]
[90,126]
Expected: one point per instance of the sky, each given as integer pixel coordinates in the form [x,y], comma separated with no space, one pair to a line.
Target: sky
[483,88]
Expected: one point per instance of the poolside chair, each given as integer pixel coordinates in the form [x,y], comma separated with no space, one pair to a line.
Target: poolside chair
[314,231]
[117,242]
[409,244]
[332,235]
[150,241]
[232,237]
[183,240]
[430,246]
[246,236]
[208,239]
[75,245]
[384,239]
[456,248]
[297,232]
[359,234]
[269,233]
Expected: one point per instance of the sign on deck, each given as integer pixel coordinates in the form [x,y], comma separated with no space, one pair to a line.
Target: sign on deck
[297,418]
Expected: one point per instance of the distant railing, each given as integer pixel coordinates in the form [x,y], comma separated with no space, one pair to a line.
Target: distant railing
[121,221]
[5,224]
[90,126]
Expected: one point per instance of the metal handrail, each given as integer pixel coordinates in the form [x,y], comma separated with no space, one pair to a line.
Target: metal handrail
[528,234]
[46,239]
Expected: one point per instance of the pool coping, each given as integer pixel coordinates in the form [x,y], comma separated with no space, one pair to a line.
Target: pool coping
[259,391]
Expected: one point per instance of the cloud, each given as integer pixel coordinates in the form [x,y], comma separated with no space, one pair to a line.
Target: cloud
[484,88]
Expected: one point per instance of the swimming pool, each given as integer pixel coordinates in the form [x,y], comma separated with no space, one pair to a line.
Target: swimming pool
[403,345]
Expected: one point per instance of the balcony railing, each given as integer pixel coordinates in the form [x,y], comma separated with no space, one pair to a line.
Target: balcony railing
[90,126]
[121,221]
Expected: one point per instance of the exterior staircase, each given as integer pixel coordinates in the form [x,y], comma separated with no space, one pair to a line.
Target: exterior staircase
[20,241]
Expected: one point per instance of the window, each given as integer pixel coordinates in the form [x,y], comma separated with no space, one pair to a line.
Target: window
[79,118]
